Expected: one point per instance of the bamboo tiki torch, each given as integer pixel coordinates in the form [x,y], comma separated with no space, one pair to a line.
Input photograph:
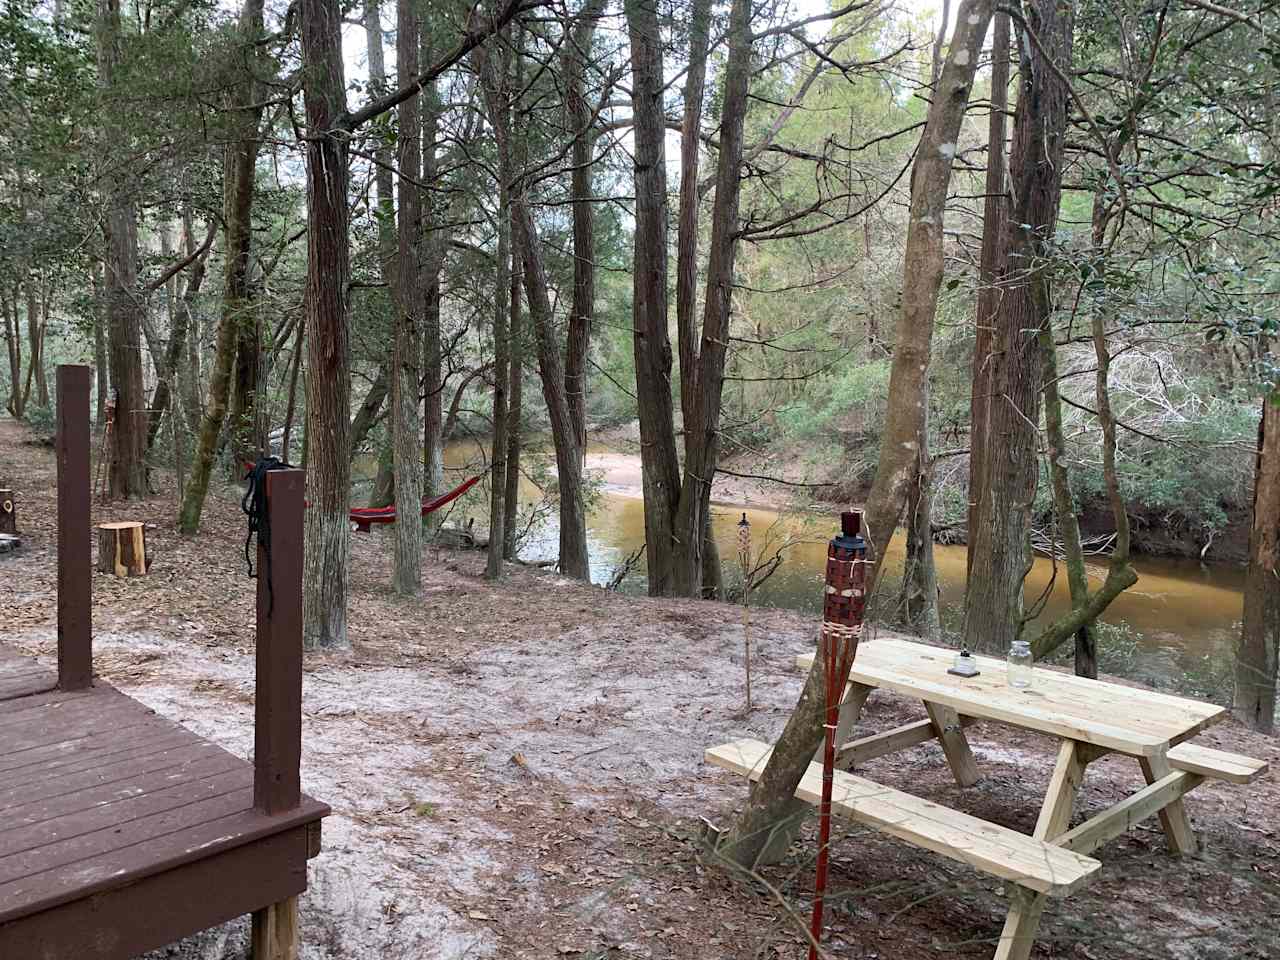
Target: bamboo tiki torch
[744,558]
[842,612]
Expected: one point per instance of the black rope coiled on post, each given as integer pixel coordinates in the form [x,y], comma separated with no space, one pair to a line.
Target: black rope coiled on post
[254,505]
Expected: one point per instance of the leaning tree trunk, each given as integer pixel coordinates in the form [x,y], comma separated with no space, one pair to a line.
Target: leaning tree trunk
[407,348]
[1086,660]
[328,334]
[238,192]
[1258,653]
[659,458]
[771,811]
[1000,540]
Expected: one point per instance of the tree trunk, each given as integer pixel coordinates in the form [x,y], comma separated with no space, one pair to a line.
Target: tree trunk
[919,601]
[168,387]
[1120,574]
[501,356]
[582,310]
[328,343]
[126,478]
[702,431]
[1258,652]
[989,270]
[695,85]
[238,194]
[771,810]
[515,336]
[1086,659]
[1000,539]
[101,373]
[367,415]
[407,349]
[13,340]
[660,461]
[434,242]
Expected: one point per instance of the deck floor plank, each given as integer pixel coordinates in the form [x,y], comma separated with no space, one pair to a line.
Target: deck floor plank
[98,792]
[21,676]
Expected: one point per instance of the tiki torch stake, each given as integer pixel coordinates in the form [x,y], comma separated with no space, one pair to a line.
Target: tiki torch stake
[744,558]
[842,613]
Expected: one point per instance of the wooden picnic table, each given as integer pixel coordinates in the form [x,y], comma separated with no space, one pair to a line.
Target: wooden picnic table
[1090,718]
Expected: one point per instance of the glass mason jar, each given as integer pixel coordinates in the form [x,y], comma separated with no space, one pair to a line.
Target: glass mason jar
[1020,665]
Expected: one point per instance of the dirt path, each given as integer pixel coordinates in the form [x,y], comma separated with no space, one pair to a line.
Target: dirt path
[516,771]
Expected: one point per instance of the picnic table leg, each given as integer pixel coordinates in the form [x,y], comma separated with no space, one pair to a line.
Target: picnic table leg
[1026,906]
[850,711]
[1177,827]
[954,743]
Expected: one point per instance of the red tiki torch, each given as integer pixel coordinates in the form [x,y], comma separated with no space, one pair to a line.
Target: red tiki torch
[842,611]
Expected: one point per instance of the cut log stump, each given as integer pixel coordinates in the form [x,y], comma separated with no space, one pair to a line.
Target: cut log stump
[8,513]
[122,549]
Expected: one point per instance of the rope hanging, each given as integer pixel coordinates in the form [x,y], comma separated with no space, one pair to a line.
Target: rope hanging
[254,505]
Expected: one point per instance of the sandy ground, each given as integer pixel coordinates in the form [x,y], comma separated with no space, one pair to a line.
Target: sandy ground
[516,772]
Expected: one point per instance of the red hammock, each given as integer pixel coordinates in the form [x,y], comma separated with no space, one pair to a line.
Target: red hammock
[362,518]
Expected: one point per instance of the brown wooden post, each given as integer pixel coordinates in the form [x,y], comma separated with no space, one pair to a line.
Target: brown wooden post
[75,571]
[277,734]
[278,699]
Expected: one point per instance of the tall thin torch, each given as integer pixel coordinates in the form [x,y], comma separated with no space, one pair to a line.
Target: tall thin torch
[744,558]
[842,612]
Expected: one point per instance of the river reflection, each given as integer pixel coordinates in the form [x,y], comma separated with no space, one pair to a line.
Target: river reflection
[1181,607]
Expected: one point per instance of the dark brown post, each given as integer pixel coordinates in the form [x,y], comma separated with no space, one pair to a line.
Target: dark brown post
[278,709]
[75,570]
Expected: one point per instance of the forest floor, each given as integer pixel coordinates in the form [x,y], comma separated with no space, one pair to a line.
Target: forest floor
[516,770]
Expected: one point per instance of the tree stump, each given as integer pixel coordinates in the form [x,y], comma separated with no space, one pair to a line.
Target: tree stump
[122,549]
[8,513]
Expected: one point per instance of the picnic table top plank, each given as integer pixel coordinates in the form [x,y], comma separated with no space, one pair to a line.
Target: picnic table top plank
[1128,720]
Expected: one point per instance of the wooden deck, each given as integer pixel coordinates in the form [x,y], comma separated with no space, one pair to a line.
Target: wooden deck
[120,830]
[21,676]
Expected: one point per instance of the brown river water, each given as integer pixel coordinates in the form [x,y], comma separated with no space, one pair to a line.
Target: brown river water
[1184,611]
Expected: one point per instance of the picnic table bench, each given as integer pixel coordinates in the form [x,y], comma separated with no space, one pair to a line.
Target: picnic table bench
[1090,718]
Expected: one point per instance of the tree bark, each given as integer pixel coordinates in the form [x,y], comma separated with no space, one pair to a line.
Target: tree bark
[407,348]
[101,372]
[238,194]
[660,461]
[434,243]
[582,310]
[126,478]
[989,269]
[168,388]
[1000,540]
[923,263]
[515,336]
[771,811]
[702,431]
[501,355]
[367,415]
[1086,659]
[328,334]
[695,85]
[1258,652]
